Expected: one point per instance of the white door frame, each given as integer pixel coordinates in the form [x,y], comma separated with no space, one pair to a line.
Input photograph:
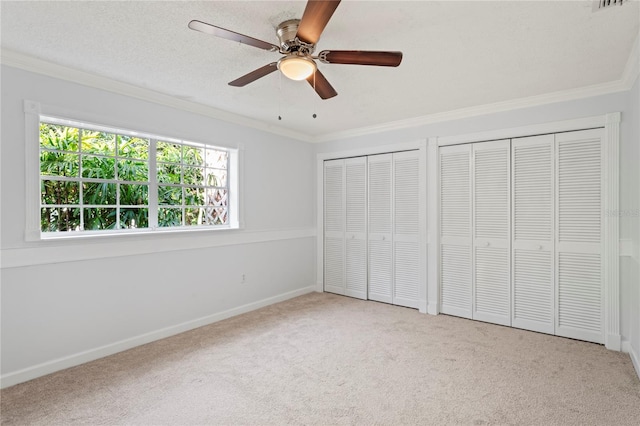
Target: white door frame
[611,124]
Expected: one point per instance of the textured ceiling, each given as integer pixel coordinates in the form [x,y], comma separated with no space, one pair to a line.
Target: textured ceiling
[456,54]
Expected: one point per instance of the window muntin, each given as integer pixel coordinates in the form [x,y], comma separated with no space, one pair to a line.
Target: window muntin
[101,179]
[192,184]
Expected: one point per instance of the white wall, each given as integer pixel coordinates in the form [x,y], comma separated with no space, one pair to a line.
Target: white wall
[629,220]
[65,302]
[632,221]
[625,102]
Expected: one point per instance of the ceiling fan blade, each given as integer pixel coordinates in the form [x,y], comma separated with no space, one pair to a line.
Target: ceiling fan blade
[315,17]
[203,27]
[254,75]
[361,57]
[322,87]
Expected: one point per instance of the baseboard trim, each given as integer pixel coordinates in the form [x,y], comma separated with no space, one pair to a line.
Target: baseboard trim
[49,367]
[635,359]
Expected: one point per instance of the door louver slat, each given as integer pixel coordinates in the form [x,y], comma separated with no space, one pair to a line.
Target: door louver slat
[406,216]
[533,189]
[333,207]
[492,282]
[334,224]
[380,196]
[579,191]
[380,276]
[406,195]
[455,278]
[356,197]
[356,272]
[380,228]
[491,192]
[356,227]
[455,231]
[491,229]
[579,298]
[406,269]
[579,308]
[454,194]
[333,264]
[533,296]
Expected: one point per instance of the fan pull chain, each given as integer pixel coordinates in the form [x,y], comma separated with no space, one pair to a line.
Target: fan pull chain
[314,89]
[280,96]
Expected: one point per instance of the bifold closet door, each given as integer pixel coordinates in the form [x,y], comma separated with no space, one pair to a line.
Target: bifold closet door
[579,188]
[334,225]
[356,227]
[406,232]
[371,227]
[380,228]
[491,231]
[533,233]
[521,240]
[455,231]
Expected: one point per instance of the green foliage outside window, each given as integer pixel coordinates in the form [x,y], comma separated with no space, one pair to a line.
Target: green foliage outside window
[121,163]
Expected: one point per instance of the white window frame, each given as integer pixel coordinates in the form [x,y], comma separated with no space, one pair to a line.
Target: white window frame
[35,113]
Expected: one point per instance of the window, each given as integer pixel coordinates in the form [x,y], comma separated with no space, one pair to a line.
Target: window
[98,180]
[192,184]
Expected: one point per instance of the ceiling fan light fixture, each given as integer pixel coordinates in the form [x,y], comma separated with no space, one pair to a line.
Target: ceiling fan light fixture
[297,67]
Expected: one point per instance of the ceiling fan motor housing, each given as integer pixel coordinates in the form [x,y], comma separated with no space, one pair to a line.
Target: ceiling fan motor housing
[289,43]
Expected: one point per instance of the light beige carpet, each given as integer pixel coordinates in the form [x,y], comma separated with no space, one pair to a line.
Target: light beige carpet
[325,359]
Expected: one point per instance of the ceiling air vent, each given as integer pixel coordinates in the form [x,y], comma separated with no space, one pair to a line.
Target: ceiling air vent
[606,4]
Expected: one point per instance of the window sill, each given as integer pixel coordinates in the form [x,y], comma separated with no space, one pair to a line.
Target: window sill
[124,233]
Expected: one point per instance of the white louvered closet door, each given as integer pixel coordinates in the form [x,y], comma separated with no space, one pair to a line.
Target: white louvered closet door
[356,227]
[579,289]
[491,232]
[334,221]
[380,228]
[406,232]
[533,233]
[455,231]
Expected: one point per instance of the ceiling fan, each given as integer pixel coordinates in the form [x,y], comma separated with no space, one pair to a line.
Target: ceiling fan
[298,38]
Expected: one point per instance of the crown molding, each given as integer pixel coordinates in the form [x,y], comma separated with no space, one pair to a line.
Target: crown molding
[29,63]
[626,82]
[549,98]
[26,62]
[632,67]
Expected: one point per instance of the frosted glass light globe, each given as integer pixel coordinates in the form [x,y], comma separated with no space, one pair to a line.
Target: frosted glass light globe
[297,67]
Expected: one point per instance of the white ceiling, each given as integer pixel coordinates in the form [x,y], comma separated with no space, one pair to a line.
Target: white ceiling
[456,54]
